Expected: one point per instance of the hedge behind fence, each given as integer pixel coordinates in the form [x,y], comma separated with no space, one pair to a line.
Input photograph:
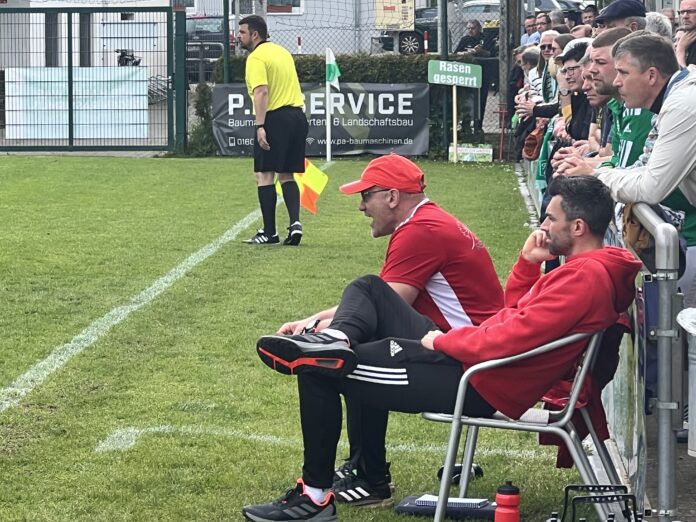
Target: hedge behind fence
[380,68]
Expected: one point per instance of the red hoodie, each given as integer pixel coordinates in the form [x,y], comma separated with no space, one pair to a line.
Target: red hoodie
[586,294]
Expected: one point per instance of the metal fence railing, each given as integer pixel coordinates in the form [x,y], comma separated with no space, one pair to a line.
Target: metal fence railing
[625,394]
[85,78]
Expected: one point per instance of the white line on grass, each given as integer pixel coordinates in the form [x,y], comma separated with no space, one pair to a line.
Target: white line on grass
[37,374]
[124,439]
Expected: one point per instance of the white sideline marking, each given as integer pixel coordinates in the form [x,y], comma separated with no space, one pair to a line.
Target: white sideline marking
[37,374]
[124,439]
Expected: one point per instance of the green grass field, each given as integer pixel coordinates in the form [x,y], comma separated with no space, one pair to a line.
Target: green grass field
[129,309]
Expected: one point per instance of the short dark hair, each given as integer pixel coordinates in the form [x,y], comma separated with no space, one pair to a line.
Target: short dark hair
[591,9]
[563,39]
[561,29]
[648,50]
[256,23]
[586,198]
[609,37]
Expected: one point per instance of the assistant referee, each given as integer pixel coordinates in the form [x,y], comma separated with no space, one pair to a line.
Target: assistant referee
[281,128]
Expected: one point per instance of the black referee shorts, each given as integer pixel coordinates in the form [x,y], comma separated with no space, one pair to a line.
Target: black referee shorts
[286,132]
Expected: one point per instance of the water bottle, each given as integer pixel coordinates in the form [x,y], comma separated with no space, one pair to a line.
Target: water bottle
[508,503]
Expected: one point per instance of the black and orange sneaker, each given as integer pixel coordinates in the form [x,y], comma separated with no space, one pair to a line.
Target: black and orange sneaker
[316,352]
[294,505]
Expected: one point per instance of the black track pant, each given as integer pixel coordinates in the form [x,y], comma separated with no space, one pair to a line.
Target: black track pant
[394,373]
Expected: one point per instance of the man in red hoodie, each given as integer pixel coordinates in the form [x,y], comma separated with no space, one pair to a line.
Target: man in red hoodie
[400,373]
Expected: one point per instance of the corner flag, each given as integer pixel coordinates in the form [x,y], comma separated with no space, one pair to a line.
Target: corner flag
[332,70]
[311,184]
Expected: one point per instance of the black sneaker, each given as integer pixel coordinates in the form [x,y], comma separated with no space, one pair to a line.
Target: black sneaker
[350,467]
[347,468]
[294,505]
[356,491]
[261,238]
[294,234]
[317,352]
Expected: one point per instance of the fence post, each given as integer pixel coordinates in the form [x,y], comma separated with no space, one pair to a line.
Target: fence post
[71,86]
[667,265]
[443,48]
[226,48]
[180,76]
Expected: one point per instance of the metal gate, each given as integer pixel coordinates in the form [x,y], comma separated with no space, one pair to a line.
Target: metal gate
[86,79]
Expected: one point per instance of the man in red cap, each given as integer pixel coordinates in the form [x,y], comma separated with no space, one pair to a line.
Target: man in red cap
[433,262]
[412,367]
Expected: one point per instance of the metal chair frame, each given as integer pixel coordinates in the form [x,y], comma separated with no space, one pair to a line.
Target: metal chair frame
[534,420]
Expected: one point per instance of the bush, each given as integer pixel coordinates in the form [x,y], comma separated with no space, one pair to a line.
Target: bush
[201,139]
[377,68]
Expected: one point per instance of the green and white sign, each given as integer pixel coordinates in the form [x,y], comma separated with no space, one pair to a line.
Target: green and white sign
[454,73]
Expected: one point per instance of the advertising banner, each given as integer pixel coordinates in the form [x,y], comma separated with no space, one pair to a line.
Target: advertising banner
[374,118]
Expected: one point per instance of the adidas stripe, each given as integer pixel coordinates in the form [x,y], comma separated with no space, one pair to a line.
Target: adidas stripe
[377,375]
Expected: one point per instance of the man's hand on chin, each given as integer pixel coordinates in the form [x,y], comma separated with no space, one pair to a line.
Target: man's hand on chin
[535,249]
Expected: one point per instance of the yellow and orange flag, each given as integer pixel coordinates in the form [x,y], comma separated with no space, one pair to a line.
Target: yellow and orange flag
[311,183]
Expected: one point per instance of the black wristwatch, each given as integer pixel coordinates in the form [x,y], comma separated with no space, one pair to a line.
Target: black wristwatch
[260,126]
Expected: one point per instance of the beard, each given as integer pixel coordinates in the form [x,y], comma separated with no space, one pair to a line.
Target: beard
[606,89]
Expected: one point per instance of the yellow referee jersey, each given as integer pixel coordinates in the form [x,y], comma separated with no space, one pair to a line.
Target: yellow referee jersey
[272,65]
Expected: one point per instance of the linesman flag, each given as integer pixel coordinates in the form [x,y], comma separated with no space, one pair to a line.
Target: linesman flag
[311,183]
[332,70]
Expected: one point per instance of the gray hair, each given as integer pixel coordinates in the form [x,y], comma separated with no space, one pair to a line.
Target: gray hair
[557,17]
[648,50]
[638,20]
[659,24]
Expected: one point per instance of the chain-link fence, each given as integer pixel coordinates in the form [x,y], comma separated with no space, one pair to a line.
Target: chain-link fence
[362,26]
[85,78]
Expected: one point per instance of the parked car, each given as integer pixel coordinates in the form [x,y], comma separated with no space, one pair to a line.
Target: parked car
[411,42]
[484,10]
[205,41]
[427,20]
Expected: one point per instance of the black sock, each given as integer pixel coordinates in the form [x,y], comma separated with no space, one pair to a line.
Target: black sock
[267,200]
[291,195]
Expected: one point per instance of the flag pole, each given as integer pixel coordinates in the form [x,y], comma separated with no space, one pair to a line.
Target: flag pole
[329,111]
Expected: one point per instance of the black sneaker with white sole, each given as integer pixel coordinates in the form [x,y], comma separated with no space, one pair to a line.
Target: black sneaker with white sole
[316,352]
[356,491]
[261,238]
[294,234]
[294,505]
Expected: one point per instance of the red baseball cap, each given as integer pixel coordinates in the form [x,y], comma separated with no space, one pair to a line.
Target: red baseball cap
[390,171]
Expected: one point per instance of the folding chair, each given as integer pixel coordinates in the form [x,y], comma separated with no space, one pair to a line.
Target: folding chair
[536,420]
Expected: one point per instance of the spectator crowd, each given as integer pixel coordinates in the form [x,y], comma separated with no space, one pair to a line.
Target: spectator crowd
[613,95]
